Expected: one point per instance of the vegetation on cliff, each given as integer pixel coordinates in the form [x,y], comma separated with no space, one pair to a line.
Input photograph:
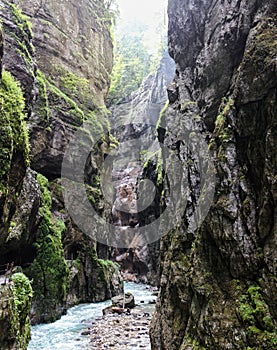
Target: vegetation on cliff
[15,304]
[13,129]
[49,270]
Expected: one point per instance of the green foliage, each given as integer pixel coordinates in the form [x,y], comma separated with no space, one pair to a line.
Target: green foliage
[132,62]
[225,107]
[184,106]
[105,263]
[154,158]
[94,194]
[265,43]
[49,270]
[112,11]
[22,36]
[13,130]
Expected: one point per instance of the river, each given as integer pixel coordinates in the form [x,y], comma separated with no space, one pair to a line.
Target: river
[65,334]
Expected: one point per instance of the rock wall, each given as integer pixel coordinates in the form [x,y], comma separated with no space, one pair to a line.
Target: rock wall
[218,280]
[56,59]
[134,121]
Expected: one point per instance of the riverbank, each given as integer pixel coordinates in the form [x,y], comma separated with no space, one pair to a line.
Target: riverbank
[118,332]
[77,329]
[128,330]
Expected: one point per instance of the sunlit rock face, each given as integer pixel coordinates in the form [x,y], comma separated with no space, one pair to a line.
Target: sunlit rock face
[134,121]
[218,280]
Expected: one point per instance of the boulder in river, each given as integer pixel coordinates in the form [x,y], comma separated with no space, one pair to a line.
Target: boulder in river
[120,304]
[124,301]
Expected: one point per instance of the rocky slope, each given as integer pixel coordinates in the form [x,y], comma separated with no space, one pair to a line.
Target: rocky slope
[44,85]
[218,277]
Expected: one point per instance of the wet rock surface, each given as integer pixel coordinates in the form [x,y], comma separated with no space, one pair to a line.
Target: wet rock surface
[60,84]
[126,331]
[133,122]
[126,301]
[213,275]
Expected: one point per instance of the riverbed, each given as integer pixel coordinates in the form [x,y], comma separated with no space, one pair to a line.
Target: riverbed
[66,333]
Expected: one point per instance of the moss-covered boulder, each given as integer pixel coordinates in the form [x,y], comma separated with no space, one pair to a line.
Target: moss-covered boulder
[49,270]
[15,303]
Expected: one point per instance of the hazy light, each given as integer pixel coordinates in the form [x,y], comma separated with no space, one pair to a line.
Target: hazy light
[142,10]
[151,13]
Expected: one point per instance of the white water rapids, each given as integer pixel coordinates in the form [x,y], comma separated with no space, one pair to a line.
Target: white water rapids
[65,334]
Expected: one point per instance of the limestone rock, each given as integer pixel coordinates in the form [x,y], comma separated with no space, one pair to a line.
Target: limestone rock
[213,275]
[60,54]
[136,203]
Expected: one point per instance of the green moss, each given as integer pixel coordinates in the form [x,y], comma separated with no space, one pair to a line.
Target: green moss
[222,132]
[162,115]
[72,84]
[42,105]
[49,270]
[154,158]
[226,106]
[77,264]
[192,344]
[22,21]
[59,99]
[186,104]
[23,293]
[159,168]
[148,157]
[22,36]
[262,51]
[106,269]
[254,312]
[107,264]
[13,130]
[98,121]
[94,194]
[19,295]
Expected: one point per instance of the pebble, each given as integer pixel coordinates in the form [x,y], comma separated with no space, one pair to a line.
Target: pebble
[121,331]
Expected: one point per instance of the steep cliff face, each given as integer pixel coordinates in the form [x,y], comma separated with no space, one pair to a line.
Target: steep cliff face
[74,53]
[44,86]
[134,121]
[218,278]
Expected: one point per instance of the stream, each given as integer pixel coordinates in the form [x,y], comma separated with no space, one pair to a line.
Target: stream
[65,333]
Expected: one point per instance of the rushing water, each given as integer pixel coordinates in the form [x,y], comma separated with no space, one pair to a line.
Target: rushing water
[65,333]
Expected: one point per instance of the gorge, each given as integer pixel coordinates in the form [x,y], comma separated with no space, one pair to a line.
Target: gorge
[195,199]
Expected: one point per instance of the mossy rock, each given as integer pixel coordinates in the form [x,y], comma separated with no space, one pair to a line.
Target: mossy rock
[49,270]
[15,304]
[13,130]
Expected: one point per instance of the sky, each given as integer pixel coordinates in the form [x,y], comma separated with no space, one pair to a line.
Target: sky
[143,10]
[149,12]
